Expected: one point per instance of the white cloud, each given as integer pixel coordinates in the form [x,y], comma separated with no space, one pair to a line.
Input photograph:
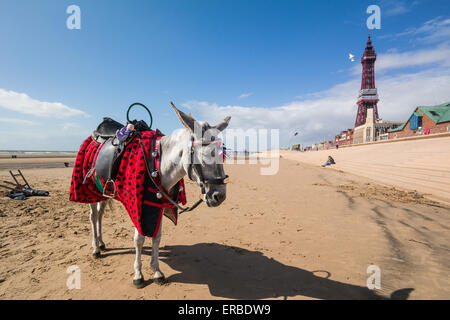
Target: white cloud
[17,121]
[22,103]
[434,30]
[396,60]
[335,109]
[245,95]
[47,136]
[67,126]
[397,7]
[431,31]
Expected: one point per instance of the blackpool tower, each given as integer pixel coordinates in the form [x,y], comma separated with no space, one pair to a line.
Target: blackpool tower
[368,95]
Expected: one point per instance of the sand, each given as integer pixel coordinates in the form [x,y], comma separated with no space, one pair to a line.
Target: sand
[305,233]
[416,164]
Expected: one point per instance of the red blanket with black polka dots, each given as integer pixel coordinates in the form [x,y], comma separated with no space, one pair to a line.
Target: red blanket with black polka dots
[135,190]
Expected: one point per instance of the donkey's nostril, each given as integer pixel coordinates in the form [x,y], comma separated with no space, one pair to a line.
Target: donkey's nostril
[218,197]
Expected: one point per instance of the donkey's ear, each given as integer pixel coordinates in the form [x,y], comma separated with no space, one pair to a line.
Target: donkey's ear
[186,119]
[223,124]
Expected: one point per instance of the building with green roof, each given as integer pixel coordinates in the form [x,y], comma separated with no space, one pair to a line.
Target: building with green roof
[423,121]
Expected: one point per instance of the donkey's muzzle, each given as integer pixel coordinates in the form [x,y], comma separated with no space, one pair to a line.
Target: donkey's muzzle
[215,199]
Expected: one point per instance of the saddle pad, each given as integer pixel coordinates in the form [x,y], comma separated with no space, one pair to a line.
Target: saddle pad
[135,190]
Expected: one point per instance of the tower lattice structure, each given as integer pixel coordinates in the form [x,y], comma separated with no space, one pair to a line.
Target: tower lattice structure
[368,95]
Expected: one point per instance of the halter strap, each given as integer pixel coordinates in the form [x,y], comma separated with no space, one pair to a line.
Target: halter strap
[198,168]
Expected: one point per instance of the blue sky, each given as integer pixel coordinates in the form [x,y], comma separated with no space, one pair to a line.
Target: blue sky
[268,64]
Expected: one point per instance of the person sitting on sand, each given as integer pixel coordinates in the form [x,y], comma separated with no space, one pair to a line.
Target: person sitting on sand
[329,162]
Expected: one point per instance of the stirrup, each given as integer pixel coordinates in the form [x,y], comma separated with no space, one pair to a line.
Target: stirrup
[105,187]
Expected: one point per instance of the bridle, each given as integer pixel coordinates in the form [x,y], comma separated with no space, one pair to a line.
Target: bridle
[193,167]
[197,168]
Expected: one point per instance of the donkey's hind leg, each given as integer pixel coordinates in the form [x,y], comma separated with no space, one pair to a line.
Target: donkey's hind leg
[94,223]
[100,211]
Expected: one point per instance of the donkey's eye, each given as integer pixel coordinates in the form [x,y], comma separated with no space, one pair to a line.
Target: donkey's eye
[213,138]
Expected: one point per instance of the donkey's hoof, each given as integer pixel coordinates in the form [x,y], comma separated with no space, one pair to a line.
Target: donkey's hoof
[139,283]
[96,255]
[102,247]
[160,280]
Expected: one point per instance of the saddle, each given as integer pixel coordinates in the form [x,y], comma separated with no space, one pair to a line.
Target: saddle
[109,155]
[106,130]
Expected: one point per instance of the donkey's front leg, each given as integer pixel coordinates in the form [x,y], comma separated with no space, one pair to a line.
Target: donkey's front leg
[158,276]
[138,279]
[94,223]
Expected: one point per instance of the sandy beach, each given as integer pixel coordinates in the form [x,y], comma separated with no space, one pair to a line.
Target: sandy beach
[305,233]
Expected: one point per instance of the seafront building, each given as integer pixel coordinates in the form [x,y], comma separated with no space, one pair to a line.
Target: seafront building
[424,121]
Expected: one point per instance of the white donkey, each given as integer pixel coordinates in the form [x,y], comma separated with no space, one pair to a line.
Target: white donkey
[190,151]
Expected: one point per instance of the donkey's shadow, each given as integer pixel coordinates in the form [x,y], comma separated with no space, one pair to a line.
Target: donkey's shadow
[236,273]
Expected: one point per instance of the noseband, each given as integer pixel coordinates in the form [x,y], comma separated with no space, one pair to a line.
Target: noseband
[197,168]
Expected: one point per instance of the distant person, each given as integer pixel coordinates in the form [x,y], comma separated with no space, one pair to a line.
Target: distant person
[337,146]
[329,162]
